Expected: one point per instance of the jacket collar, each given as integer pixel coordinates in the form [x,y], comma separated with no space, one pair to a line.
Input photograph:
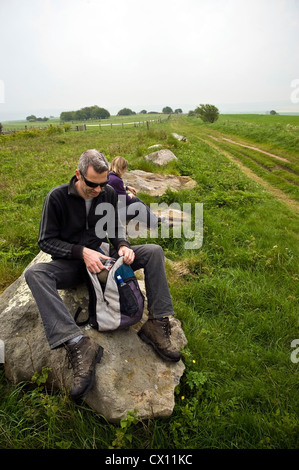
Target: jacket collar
[72,190]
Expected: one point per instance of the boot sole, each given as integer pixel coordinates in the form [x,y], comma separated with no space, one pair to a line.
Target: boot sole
[148,341]
[91,384]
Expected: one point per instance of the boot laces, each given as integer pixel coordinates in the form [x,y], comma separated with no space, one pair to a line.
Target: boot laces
[75,360]
[166,328]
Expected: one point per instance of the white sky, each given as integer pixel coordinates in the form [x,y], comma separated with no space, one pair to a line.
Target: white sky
[67,54]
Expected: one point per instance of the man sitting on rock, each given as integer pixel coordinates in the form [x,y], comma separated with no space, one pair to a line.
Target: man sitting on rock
[68,233]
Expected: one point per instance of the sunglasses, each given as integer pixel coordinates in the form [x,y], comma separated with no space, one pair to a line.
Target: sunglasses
[93,185]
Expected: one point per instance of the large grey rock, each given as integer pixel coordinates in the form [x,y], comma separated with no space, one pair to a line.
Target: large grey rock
[155,184]
[130,375]
[161,157]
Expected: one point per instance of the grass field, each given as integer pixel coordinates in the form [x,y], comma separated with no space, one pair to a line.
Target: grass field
[274,159]
[237,296]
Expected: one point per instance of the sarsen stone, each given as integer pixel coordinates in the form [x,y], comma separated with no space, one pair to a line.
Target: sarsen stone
[130,375]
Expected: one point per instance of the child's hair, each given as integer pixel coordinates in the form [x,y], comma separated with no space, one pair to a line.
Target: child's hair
[119,165]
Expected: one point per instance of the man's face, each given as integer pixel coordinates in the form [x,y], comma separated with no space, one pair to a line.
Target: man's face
[91,176]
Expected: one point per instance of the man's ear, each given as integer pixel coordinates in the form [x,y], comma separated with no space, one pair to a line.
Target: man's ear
[78,174]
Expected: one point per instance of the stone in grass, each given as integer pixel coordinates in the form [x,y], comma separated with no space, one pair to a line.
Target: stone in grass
[130,375]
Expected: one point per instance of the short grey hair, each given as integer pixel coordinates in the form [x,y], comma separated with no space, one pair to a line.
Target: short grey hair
[94,158]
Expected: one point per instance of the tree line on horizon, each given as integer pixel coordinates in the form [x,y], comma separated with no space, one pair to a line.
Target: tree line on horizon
[207,112]
[95,112]
[83,114]
[33,118]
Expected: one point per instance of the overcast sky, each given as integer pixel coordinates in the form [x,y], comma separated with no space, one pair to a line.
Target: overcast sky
[66,54]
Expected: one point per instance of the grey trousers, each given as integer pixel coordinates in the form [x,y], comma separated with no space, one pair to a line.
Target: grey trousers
[44,279]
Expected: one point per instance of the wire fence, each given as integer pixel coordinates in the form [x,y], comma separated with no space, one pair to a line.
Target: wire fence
[83,127]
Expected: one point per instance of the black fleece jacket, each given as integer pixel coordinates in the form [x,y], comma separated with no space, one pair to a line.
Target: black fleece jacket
[64,228]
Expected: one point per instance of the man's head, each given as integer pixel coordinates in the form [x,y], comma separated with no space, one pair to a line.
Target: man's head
[95,159]
[92,173]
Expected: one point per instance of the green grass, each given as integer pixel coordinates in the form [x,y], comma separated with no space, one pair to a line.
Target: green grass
[237,302]
[272,132]
[282,175]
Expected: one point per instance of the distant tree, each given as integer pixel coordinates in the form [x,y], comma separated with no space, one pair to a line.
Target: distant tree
[82,114]
[125,112]
[167,110]
[178,111]
[191,113]
[94,112]
[67,116]
[1,127]
[33,118]
[144,111]
[98,113]
[89,112]
[207,112]
[103,113]
[273,112]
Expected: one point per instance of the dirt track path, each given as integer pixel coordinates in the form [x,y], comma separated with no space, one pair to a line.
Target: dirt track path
[249,147]
[276,192]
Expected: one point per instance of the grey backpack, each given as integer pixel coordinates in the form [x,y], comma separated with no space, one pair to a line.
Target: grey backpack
[116,304]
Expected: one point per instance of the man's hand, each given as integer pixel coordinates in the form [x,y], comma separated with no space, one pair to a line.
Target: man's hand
[127,253]
[92,259]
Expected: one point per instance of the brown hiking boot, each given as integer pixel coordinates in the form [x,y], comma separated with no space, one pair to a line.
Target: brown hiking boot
[156,332]
[83,357]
